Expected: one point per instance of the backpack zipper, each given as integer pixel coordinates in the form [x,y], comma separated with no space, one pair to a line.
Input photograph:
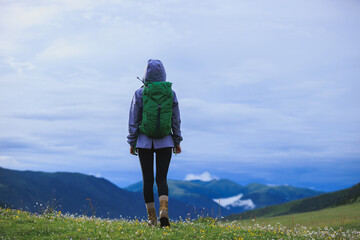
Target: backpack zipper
[158,117]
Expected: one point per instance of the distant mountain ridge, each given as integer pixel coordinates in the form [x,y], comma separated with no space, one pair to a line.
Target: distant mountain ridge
[89,195]
[204,194]
[326,200]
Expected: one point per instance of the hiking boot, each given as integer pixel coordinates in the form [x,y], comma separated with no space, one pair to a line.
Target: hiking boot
[163,211]
[152,218]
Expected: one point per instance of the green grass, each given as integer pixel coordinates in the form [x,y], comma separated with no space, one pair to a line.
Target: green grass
[346,216]
[16,224]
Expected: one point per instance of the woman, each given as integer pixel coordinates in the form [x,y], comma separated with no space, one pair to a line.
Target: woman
[146,145]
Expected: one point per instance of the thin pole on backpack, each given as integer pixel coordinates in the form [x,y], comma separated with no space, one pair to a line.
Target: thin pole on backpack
[142,80]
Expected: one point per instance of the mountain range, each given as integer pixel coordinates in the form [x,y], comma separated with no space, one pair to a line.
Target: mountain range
[233,198]
[78,193]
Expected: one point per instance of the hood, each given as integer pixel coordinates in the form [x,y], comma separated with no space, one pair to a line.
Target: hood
[155,71]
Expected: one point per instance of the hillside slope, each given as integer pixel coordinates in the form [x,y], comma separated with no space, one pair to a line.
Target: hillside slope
[68,192]
[72,192]
[333,199]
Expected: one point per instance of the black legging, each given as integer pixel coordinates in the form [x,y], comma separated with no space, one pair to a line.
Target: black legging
[146,156]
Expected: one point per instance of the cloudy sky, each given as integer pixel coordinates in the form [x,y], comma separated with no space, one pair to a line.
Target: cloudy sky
[268,90]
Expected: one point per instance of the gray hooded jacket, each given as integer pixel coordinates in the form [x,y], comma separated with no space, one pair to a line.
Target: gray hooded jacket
[155,72]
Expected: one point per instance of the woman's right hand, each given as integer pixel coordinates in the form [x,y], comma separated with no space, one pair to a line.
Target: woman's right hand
[177,149]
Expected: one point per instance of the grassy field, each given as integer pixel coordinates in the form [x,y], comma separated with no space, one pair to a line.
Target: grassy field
[346,216]
[16,224]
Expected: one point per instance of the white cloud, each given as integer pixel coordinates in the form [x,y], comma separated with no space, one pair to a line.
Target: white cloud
[205,176]
[235,201]
[13,163]
[276,185]
[20,67]
[4,158]
[98,175]
[27,15]
[63,49]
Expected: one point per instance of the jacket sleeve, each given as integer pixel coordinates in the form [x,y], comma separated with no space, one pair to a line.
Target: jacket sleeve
[176,122]
[135,117]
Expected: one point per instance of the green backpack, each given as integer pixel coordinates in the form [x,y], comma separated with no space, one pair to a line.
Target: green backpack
[157,109]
